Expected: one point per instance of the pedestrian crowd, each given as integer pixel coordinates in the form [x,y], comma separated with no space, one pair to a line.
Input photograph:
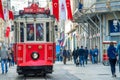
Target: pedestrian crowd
[80,56]
[7,58]
[83,54]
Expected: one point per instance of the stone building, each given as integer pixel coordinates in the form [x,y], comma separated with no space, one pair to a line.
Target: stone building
[98,21]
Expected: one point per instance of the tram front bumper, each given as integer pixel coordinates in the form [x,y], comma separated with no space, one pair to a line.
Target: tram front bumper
[34,69]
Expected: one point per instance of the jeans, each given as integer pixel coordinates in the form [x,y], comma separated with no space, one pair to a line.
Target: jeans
[4,65]
[81,58]
[64,59]
[93,59]
[61,58]
[86,59]
[74,58]
[112,65]
[96,59]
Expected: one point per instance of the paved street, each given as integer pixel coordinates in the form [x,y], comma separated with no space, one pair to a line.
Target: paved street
[67,72]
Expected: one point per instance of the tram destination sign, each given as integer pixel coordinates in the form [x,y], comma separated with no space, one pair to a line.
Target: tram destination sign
[33,9]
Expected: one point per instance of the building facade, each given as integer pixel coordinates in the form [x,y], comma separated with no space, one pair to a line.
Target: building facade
[100,20]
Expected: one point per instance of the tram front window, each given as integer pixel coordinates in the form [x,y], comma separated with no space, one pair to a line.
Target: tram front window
[30,32]
[39,32]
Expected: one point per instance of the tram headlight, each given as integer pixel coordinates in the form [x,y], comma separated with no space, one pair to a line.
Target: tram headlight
[35,55]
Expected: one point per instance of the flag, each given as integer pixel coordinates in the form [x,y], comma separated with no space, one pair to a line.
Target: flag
[55,5]
[11,16]
[7,31]
[6,15]
[1,10]
[62,9]
[69,12]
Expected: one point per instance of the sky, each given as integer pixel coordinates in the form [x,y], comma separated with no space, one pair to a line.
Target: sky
[20,4]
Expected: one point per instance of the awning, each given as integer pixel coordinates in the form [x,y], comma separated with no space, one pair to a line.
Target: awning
[11,16]
[1,10]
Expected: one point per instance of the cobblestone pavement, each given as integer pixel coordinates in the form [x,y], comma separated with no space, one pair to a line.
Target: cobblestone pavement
[92,72]
[68,72]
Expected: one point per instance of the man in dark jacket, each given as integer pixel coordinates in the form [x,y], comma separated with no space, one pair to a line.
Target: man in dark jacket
[4,59]
[86,54]
[74,55]
[111,51]
[64,55]
[96,54]
[81,56]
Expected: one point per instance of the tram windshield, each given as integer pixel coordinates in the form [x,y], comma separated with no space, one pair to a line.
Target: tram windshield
[39,32]
[30,32]
[35,32]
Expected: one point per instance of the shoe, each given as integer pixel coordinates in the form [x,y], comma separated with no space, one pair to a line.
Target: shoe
[6,71]
[114,75]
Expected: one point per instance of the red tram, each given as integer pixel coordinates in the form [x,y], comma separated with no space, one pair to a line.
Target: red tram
[34,46]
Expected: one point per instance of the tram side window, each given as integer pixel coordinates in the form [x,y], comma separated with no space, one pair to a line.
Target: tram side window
[30,32]
[21,32]
[47,32]
[39,32]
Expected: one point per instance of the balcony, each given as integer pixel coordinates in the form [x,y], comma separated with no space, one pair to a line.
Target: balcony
[101,6]
[105,6]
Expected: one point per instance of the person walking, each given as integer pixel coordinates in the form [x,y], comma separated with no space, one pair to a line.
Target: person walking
[92,56]
[86,54]
[77,52]
[12,55]
[64,55]
[74,56]
[61,55]
[68,54]
[9,57]
[96,54]
[112,54]
[81,56]
[4,59]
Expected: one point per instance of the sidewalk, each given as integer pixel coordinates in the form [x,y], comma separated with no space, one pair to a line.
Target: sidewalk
[90,71]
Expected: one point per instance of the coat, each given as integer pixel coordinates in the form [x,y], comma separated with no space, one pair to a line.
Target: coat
[4,53]
[111,51]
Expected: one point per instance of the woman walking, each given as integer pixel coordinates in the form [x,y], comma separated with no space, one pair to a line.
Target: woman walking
[112,54]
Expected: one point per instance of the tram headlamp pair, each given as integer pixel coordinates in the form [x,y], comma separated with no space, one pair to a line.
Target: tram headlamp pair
[35,55]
